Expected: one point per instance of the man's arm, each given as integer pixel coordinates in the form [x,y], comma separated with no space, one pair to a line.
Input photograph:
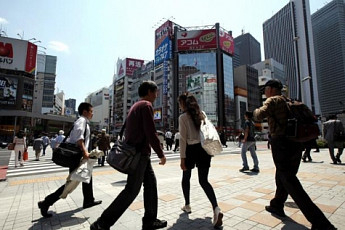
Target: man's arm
[82,147]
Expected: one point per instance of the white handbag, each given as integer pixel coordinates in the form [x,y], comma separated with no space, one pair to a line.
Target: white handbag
[209,137]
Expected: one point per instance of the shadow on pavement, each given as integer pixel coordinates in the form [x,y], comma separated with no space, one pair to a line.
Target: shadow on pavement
[291,224]
[291,205]
[119,183]
[46,223]
[183,222]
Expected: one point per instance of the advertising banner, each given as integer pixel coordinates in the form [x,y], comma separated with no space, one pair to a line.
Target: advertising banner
[157,114]
[165,77]
[226,42]
[17,55]
[164,51]
[194,82]
[127,66]
[8,90]
[196,40]
[31,54]
[164,31]
[132,64]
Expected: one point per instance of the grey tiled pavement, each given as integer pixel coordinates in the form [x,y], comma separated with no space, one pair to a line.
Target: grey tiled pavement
[241,196]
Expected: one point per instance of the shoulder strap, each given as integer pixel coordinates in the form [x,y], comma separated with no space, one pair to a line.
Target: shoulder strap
[69,132]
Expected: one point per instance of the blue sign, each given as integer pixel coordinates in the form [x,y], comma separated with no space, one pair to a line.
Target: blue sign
[165,77]
[164,51]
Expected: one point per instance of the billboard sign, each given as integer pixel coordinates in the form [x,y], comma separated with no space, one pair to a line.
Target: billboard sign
[164,51]
[196,40]
[127,66]
[226,42]
[17,55]
[8,90]
[164,31]
[194,82]
[157,114]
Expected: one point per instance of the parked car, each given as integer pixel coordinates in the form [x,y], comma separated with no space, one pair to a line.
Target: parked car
[3,144]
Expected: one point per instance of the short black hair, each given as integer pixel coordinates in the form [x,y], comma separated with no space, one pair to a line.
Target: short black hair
[84,106]
[249,114]
[274,83]
[145,87]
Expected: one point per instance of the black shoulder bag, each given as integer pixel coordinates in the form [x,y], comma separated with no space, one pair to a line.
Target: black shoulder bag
[68,154]
[122,156]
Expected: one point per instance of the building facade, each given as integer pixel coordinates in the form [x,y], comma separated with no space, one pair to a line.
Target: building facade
[247,92]
[204,65]
[248,48]
[329,42]
[288,38]
[45,84]
[123,80]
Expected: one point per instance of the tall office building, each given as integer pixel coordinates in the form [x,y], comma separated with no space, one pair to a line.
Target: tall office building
[248,49]
[329,42]
[288,39]
[44,84]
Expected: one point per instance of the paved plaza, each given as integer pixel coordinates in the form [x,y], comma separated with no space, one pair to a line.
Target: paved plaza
[241,196]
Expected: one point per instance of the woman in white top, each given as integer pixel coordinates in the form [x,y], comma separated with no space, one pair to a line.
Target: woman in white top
[20,146]
[192,153]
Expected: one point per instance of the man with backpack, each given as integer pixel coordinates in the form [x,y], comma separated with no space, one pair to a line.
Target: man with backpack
[287,158]
[248,143]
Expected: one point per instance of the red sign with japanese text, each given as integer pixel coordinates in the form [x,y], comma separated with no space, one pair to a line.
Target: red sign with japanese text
[31,54]
[226,42]
[196,40]
[132,64]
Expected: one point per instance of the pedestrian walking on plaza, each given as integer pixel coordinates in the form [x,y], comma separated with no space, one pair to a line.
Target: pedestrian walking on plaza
[168,140]
[287,158]
[46,142]
[248,143]
[222,138]
[20,146]
[177,141]
[59,138]
[104,145]
[140,132]
[37,147]
[308,146]
[80,135]
[192,154]
[53,142]
[331,128]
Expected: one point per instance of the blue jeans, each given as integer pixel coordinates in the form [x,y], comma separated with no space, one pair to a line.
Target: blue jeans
[249,145]
[145,175]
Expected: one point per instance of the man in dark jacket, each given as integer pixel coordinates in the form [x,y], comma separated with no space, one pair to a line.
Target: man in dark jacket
[140,132]
[287,158]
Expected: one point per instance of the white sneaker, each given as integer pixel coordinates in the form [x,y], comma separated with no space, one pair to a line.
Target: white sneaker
[217,217]
[187,209]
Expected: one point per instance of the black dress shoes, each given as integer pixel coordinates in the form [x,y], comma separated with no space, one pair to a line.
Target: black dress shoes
[44,209]
[275,211]
[157,224]
[96,226]
[89,205]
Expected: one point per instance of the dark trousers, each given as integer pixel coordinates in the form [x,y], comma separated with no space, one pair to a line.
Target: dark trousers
[44,149]
[87,193]
[177,144]
[144,175]
[287,158]
[101,160]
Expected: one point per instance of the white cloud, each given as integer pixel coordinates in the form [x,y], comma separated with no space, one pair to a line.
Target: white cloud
[58,46]
[3,21]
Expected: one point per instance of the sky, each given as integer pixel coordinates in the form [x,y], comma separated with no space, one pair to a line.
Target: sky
[88,36]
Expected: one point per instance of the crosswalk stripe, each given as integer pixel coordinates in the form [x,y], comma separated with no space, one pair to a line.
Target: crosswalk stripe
[46,165]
